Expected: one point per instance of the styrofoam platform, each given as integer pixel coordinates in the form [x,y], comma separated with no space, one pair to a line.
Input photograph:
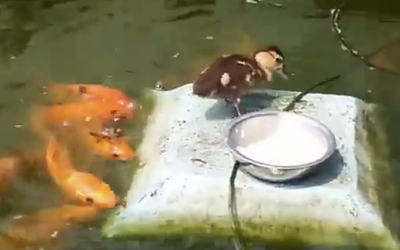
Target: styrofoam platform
[183,187]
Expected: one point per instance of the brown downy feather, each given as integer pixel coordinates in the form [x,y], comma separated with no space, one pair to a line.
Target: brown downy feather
[240,71]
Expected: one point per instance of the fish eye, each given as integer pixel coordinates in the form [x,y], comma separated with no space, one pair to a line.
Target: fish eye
[82,89]
[118,132]
[89,200]
[115,155]
[113,112]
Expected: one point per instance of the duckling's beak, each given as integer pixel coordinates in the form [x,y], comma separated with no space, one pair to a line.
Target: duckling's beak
[282,73]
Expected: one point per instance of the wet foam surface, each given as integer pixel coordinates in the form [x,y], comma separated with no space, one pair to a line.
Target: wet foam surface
[187,166]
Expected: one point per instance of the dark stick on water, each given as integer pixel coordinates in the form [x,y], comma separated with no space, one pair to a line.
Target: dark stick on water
[238,238]
[345,44]
[365,58]
[298,98]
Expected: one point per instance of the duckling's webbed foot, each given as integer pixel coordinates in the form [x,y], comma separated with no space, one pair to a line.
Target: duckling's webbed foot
[227,102]
[237,110]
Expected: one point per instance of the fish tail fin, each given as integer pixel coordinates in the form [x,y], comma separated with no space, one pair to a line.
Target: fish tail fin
[56,158]
[51,151]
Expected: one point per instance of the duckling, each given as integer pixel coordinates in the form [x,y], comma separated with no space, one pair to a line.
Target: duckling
[229,76]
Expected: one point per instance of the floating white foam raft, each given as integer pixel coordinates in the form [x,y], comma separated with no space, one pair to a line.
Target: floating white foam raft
[183,187]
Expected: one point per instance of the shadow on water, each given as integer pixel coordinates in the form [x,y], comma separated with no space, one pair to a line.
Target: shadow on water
[19,23]
[177,4]
[20,20]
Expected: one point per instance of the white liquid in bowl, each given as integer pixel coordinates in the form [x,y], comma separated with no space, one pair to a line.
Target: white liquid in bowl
[290,145]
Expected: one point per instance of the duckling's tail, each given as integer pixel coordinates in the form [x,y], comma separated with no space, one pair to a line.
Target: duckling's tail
[203,89]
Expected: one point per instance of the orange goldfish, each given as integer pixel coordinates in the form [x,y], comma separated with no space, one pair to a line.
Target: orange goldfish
[81,112]
[81,186]
[9,243]
[110,147]
[94,92]
[45,224]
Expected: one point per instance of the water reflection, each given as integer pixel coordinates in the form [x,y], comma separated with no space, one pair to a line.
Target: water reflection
[122,45]
[20,20]
[16,27]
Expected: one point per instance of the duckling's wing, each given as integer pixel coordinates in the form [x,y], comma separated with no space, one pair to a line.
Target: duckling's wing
[211,80]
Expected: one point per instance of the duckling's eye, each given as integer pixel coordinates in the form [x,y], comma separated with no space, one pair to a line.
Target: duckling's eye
[278,60]
[89,200]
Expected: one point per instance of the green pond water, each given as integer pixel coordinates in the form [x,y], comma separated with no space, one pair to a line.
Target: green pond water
[136,44]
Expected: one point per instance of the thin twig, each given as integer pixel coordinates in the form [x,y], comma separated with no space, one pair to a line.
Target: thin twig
[298,98]
[276,5]
[198,160]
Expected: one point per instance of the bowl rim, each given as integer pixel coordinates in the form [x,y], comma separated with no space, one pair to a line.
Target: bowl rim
[332,145]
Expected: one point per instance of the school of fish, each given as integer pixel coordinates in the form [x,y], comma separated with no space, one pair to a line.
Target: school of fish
[82,112]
